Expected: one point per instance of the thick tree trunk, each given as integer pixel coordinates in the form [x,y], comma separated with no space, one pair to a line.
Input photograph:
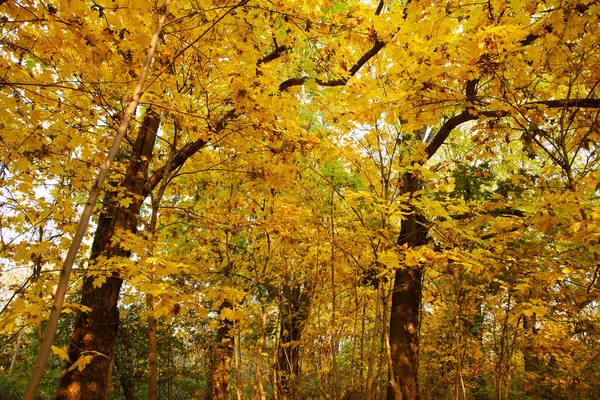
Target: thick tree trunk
[94,332]
[293,316]
[406,305]
[220,360]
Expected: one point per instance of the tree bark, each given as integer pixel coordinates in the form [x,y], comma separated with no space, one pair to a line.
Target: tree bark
[94,332]
[152,350]
[293,316]
[13,360]
[371,366]
[220,360]
[532,361]
[406,305]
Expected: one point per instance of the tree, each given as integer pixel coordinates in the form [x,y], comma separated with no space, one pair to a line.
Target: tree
[271,91]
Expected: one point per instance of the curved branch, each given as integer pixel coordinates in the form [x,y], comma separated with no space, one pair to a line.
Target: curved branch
[448,126]
[471,115]
[340,81]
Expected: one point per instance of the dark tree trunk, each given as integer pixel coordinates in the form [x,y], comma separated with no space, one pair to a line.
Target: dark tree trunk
[293,314]
[531,359]
[220,360]
[406,305]
[152,350]
[94,332]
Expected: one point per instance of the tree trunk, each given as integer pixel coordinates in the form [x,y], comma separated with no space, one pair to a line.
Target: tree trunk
[13,360]
[94,332]
[220,360]
[152,350]
[293,316]
[259,350]
[406,305]
[373,348]
[532,361]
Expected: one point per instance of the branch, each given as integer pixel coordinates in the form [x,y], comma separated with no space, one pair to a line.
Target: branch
[581,103]
[340,81]
[285,85]
[499,212]
[379,7]
[187,151]
[471,115]
[279,50]
[471,89]
[178,160]
[532,37]
[465,116]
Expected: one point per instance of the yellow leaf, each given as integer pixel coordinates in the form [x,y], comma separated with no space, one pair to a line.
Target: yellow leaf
[125,202]
[99,281]
[411,259]
[61,352]
[546,224]
[202,312]
[389,259]
[82,362]
[227,313]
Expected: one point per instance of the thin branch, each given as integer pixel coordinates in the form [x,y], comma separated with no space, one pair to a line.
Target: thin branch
[566,103]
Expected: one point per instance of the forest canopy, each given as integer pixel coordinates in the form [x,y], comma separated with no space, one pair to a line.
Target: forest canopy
[293,200]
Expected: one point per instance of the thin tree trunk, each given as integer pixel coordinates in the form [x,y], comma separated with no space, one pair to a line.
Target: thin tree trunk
[275,369]
[94,332]
[170,366]
[236,353]
[152,321]
[334,367]
[459,384]
[353,361]
[369,390]
[13,360]
[531,360]
[152,350]
[362,350]
[67,267]
[259,349]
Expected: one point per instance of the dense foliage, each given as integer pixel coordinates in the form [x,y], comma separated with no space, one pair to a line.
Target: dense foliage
[325,199]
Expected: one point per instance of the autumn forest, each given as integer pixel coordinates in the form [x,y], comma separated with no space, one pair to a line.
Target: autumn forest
[286,199]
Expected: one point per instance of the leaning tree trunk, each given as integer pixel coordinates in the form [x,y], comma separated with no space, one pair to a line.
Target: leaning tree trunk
[406,305]
[94,332]
[293,316]
[220,360]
